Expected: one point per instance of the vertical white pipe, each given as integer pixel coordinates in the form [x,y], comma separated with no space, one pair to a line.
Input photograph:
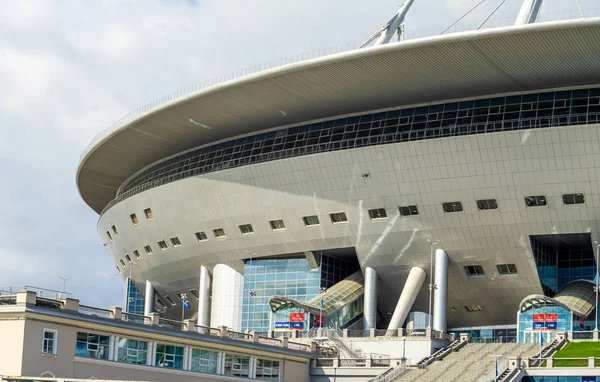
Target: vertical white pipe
[227,292]
[370,299]
[440,295]
[204,297]
[149,299]
[529,12]
[413,284]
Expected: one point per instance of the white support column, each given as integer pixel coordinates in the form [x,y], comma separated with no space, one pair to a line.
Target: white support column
[149,355]
[370,299]
[204,297]
[149,299]
[387,34]
[413,284]
[186,353]
[529,12]
[111,348]
[227,299]
[440,294]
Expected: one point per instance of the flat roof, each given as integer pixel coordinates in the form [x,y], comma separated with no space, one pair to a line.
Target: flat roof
[470,64]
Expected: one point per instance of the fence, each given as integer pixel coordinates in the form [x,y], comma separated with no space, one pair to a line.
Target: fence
[93,311]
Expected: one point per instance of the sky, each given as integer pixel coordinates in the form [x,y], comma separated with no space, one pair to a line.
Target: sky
[68,69]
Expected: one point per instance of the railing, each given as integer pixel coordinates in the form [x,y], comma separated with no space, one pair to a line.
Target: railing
[461,27]
[239,335]
[324,362]
[390,374]
[93,311]
[269,341]
[380,362]
[41,292]
[207,330]
[583,335]
[298,346]
[137,318]
[358,333]
[170,324]
[386,333]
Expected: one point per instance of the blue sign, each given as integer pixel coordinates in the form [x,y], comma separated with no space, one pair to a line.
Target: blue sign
[283,325]
[296,325]
[551,325]
[588,379]
[538,325]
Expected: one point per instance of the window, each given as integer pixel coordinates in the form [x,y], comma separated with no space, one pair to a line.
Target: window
[204,361]
[487,204]
[246,229]
[132,351]
[128,258]
[122,263]
[507,269]
[408,210]
[169,356]
[277,224]
[109,235]
[170,300]
[148,250]
[573,199]
[90,345]
[535,201]
[49,339]
[118,269]
[134,219]
[219,233]
[378,213]
[162,245]
[311,220]
[149,214]
[195,293]
[452,207]
[175,241]
[474,270]
[115,231]
[267,370]
[473,308]
[136,253]
[201,236]
[237,365]
[338,217]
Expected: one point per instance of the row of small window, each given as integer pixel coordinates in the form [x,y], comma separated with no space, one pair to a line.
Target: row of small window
[97,346]
[503,269]
[530,201]
[147,212]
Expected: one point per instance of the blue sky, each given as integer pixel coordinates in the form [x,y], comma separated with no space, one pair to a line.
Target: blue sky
[68,69]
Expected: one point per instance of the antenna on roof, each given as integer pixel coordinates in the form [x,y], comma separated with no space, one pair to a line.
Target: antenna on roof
[386,32]
[530,10]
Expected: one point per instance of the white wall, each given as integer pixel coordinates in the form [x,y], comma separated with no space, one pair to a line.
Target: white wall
[227,291]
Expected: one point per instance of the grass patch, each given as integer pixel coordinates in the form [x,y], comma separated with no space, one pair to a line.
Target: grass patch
[576,350]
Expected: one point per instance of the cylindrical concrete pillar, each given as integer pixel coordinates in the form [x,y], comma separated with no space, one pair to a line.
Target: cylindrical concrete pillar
[440,294]
[204,297]
[370,299]
[413,284]
[149,299]
[227,297]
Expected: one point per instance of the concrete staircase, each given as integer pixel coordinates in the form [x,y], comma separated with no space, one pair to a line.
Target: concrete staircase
[470,363]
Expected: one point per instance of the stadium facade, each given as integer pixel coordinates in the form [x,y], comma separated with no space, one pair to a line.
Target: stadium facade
[455,174]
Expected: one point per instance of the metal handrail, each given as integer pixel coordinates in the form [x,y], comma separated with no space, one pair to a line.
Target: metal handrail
[181,94]
[93,311]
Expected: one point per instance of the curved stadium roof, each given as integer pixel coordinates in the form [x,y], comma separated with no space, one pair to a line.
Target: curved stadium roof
[470,64]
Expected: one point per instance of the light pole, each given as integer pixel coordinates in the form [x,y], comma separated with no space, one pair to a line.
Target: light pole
[321,292]
[596,288]
[183,302]
[432,286]
[64,279]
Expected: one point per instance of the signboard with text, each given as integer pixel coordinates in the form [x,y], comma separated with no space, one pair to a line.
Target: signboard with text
[282,325]
[545,321]
[296,325]
[296,317]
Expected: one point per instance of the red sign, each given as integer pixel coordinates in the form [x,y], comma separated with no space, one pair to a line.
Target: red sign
[319,320]
[296,317]
[548,317]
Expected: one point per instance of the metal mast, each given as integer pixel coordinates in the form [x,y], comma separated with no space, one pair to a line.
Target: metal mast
[385,34]
[529,12]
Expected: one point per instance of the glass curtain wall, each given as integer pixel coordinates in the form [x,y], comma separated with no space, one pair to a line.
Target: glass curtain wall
[134,301]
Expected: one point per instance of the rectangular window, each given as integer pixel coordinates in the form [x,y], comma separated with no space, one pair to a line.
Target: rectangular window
[170,300]
[474,270]
[507,269]
[169,356]
[246,229]
[473,308]
[378,213]
[277,224]
[128,258]
[267,370]
[109,235]
[219,233]
[452,207]
[162,245]
[116,232]
[149,214]
[535,201]
[201,236]
[136,253]
[49,339]
[90,345]
[175,241]
[132,351]
[338,217]
[237,365]
[122,263]
[204,361]
[573,199]
[311,220]
[134,219]
[195,293]
[487,204]
[148,250]
[408,210]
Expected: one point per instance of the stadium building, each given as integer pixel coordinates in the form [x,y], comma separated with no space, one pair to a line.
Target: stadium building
[452,176]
